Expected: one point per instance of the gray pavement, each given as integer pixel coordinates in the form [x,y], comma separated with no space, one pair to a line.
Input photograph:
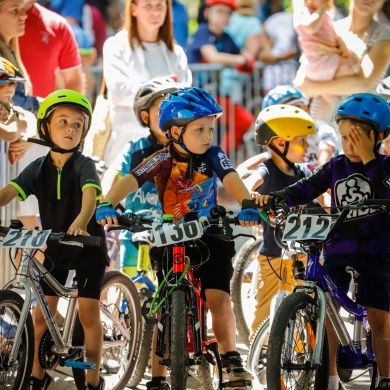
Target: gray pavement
[65,382]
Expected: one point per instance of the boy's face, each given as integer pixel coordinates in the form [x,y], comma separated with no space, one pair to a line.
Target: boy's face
[297,149]
[218,16]
[198,136]
[349,142]
[153,121]
[7,92]
[66,127]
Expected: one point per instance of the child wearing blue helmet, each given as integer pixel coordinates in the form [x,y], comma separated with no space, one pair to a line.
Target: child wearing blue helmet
[363,121]
[186,174]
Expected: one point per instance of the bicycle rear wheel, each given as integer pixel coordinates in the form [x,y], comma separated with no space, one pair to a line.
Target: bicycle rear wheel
[291,344]
[257,354]
[243,286]
[16,375]
[178,336]
[120,314]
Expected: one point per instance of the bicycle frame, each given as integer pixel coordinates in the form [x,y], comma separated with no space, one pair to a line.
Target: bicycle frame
[327,291]
[184,278]
[27,278]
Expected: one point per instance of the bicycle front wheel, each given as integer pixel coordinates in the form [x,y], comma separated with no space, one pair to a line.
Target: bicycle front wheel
[120,314]
[257,354]
[291,344]
[243,287]
[178,334]
[15,375]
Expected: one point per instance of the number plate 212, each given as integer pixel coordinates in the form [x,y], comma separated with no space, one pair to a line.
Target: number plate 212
[307,227]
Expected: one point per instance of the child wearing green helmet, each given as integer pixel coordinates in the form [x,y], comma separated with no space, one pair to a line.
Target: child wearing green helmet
[67,187]
[186,174]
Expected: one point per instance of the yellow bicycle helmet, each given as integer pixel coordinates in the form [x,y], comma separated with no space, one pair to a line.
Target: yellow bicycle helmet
[282,120]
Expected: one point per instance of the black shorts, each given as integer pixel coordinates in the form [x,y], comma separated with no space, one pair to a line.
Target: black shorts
[374,277]
[216,272]
[90,265]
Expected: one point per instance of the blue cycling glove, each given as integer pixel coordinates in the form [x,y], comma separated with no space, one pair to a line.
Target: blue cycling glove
[249,215]
[105,210]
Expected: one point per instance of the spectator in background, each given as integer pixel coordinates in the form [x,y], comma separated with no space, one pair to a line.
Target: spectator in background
[212,44]
[12,26]
[142,50]
[268,8]
[47,45]
[279,50]
[180,23]
[245,28]
[324,54]
[369,40]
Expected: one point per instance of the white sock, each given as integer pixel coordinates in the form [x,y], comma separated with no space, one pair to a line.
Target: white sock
[333,383]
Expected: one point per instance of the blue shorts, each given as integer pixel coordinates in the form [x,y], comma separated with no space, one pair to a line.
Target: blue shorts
[374,277]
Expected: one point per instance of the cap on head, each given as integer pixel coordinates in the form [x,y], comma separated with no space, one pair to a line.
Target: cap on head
[150,91]
[9,73]
[366,107]
[185,105]
[229,3]
[283,94]
[63,97]
[282,120]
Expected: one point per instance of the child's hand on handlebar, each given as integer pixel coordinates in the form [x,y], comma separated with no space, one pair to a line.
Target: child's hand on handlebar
[248,217]
[106,214]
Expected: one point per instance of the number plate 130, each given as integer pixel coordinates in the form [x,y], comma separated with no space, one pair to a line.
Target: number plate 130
[307,227]
[168,234]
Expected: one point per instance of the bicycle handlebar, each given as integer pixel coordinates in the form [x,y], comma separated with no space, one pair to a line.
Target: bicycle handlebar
[65,237]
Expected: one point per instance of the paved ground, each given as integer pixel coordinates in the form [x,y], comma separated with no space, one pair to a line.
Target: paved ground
[65,382]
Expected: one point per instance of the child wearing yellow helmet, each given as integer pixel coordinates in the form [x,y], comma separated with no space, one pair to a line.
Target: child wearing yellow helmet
[67,187]
[283,129]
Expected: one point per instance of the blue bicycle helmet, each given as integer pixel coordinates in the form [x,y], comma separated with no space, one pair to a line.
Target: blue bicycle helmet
[366,107]
[185,105]
[283,94]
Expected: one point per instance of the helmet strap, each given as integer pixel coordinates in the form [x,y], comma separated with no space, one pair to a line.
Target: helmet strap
[282,155]
[47,141]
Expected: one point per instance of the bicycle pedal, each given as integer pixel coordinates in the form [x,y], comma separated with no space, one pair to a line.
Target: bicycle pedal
[79,364]
[146,314]
[241,384]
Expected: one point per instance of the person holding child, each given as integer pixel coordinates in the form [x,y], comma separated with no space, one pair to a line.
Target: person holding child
[363,121]
[190,162]
[67,187]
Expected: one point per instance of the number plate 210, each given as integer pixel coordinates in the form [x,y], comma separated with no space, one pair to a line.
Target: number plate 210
[307,227]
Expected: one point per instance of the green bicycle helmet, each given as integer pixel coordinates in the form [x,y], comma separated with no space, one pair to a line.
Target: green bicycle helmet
[59,98]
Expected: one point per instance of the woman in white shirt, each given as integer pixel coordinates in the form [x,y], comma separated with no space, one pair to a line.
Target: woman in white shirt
[142,50]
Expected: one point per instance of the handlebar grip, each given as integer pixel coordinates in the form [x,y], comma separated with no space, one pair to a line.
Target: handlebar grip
[85,240]
[249,204]
[375,202]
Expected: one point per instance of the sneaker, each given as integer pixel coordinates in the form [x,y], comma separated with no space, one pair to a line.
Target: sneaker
[233,368]
[100,386]
[157,385]
[383,384]
[41,384]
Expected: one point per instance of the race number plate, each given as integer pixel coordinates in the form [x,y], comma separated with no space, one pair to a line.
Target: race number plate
[168,234]
[26,238]
[307,227]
